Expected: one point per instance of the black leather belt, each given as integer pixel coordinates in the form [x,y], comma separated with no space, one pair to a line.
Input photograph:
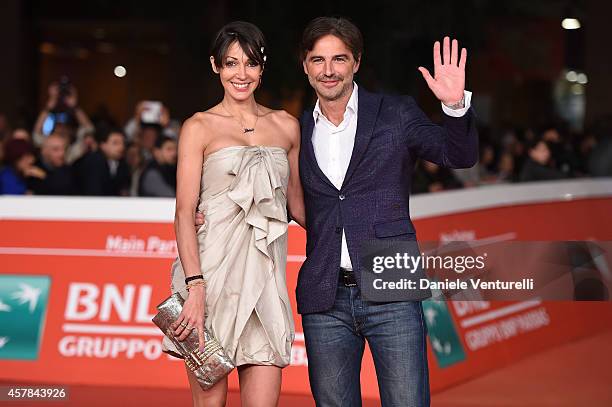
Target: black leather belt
[347,278]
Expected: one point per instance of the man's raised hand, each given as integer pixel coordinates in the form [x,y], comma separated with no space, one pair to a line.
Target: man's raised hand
[448,82]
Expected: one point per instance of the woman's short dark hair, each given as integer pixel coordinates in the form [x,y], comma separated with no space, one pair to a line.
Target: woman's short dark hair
[250,38]
[14,149]
[337,26]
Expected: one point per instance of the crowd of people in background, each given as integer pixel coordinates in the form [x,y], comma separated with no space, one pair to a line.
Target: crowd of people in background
[550,152]
[69,153]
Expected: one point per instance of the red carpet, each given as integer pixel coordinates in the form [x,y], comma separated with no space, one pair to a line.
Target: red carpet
[575,374]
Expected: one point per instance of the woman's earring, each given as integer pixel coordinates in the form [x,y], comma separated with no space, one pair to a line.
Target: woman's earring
[214,66]
[260,80]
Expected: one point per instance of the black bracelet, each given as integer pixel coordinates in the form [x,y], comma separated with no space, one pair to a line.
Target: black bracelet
[188,279]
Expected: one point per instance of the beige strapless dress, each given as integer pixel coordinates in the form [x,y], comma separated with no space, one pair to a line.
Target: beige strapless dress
[243,254]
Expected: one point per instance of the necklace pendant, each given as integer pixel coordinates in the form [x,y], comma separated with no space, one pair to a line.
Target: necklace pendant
[249,129]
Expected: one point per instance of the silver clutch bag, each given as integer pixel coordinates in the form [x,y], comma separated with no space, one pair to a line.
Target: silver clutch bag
[209,366]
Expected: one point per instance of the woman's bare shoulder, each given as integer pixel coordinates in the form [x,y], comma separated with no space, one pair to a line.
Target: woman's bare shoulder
[204,118]
[283,119]
[201,124]
[286,124]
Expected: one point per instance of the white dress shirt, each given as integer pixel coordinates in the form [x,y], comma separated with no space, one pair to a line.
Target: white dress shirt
[333,147]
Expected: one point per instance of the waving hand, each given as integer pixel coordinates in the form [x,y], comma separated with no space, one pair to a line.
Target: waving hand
[448,82]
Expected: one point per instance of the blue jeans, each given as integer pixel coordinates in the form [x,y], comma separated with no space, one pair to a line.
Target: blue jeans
[396,334]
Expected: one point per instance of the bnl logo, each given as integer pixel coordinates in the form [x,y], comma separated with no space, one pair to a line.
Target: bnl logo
[443,335]
[23,305]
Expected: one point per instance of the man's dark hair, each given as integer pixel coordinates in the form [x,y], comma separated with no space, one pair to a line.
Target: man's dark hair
[339,27]
[533,143]
[163,139]
[250,38]
[104,132]
[156,127]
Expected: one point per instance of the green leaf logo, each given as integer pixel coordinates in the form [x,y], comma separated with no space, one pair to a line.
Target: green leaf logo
[23,306]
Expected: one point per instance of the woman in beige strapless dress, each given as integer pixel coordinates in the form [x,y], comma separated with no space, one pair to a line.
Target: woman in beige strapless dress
[238,166]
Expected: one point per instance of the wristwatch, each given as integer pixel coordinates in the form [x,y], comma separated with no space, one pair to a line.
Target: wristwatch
[459,105]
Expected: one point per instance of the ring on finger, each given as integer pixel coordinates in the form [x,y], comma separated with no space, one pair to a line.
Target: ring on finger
[184,325]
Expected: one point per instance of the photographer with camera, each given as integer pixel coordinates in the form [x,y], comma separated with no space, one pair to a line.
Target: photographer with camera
[151,113]
[63,116]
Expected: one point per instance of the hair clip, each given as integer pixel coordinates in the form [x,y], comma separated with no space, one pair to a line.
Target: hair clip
[262,50]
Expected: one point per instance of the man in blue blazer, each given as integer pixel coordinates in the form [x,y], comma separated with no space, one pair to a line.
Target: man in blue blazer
[358,152]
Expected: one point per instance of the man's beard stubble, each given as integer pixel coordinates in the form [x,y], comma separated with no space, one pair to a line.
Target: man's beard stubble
[343,91]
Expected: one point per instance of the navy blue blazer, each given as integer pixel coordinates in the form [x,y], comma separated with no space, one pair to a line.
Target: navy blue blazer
[392,132]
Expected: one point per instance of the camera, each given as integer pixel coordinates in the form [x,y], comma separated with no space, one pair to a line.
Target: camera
[61,113]
[65,90]
[151,112]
